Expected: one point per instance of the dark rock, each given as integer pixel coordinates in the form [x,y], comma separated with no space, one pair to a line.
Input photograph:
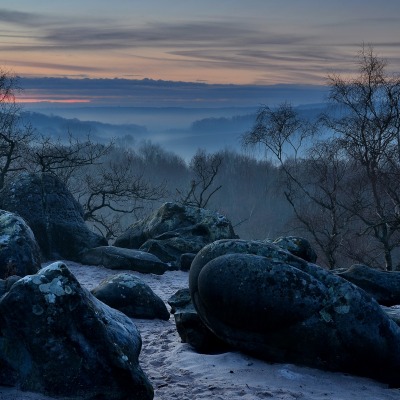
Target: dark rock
[192,331]
[180,299]
[186,261]
[119,258]
[383,286]
[191,328]
[393,313]
[19,251]
[174,229]
[5,284]
[59,340]
[264,301]
[236,246]
[52,213]
[129,294]
[170,250]
[298,246]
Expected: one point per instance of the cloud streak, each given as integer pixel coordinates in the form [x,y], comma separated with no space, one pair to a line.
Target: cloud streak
[203,34]
[147,92]
[22,19]
[272,43]
[57,67]
[211,45]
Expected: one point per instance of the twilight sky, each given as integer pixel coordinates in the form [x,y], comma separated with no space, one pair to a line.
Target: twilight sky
[241,42]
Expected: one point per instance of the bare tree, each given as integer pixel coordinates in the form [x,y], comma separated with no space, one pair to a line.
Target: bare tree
[315,190]
[64,158]
[114,190]
[354,177]
[14,135]
[205,168]
[280,131]
[105,179]
[368,129]
[312,176]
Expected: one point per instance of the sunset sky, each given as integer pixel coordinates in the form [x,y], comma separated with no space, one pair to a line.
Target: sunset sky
[241,42]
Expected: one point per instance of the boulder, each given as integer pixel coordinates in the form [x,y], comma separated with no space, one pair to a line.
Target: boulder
[393,313]
[298,246]
[186,261]
[59,340]
[19,251]
[179,299]
[52,213]
[264,301]
[383,286]
[175,229]
[5,284]
[129,294]
[119,258]
[191,328]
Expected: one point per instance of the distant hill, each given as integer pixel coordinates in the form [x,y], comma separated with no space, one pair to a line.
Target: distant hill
[181,130]
[242,123]
[239,123]
[58,127]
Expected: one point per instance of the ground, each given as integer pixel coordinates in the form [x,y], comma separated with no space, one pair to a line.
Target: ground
[177,372]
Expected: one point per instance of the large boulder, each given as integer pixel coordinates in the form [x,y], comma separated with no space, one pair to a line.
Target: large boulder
[175,229]
[119,258]
[59,340]
[52,213]
[383,286]
[129,294]
[19,251]
[272,304]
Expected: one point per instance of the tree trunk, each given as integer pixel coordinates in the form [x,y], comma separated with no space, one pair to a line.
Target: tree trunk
[388,258]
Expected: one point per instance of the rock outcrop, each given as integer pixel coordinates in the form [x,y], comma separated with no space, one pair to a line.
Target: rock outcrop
[191,328]
[130,295]
[58,339]
[264,301]
[383,286]
[119,258]
[19,251]
[185,261]
[393,313]
[5,284]
[174,229]
[298,246]
[52,213]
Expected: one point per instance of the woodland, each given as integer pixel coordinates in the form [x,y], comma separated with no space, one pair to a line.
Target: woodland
[333,179]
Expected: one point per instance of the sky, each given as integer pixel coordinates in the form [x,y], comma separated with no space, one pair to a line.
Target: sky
[252,43]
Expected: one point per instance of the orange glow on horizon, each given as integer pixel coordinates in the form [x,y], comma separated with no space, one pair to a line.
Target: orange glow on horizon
[67,101]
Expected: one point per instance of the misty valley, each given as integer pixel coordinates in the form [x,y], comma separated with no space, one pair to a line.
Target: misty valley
[163,142]
[177,129]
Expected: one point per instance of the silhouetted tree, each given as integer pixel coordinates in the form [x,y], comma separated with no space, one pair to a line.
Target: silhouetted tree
[311,176]
[205,168]
[315,188]
[279,130]
[352,177]
[368,129]
[14,136]
[64,157]
[114,190]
